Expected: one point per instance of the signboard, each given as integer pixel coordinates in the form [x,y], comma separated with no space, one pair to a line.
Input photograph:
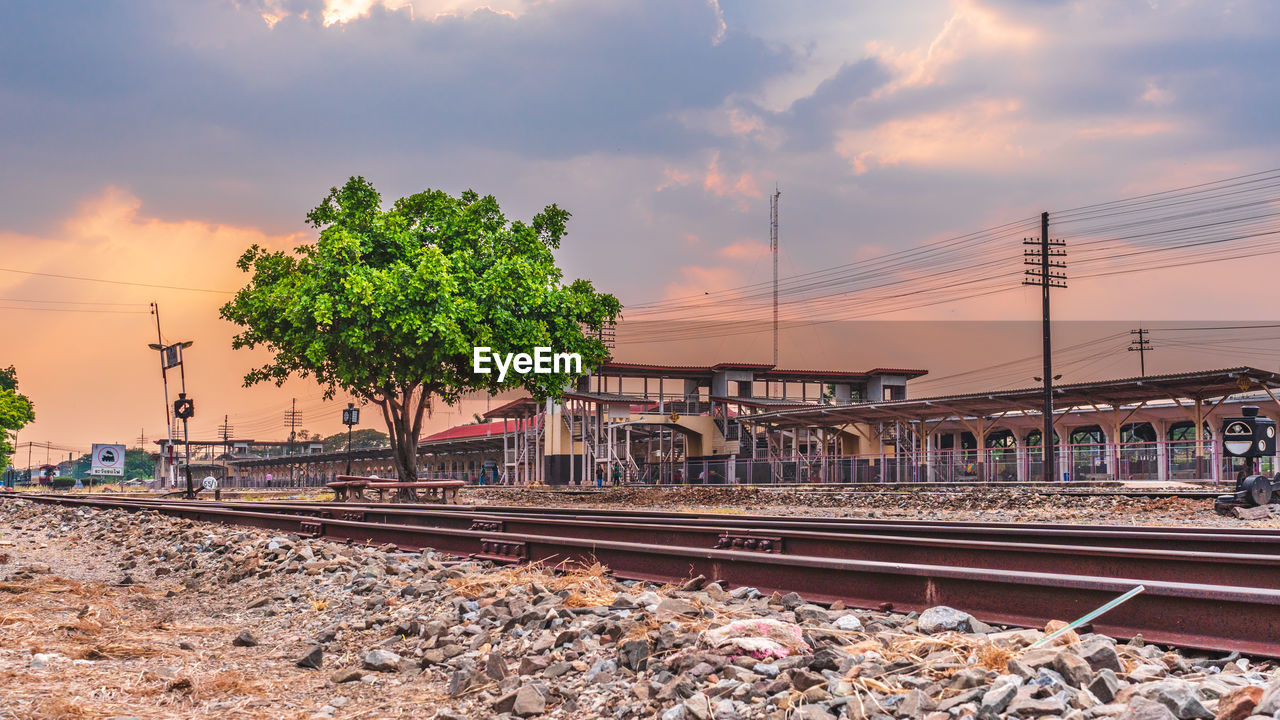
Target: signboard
[172,355]
[210,483]
[107,460]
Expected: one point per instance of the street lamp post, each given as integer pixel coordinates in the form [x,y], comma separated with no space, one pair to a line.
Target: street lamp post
[350,417]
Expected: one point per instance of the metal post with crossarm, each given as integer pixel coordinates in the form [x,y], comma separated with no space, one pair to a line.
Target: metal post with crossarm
[1048,260]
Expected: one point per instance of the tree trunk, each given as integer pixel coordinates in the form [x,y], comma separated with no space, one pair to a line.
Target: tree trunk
[403,414]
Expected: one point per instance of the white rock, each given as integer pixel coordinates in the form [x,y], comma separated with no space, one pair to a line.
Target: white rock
[848,622]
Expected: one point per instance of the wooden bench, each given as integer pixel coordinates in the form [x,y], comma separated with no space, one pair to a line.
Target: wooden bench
[348,487]
[443,491]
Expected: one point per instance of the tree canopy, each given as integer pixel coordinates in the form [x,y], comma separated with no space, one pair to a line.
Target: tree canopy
[364,439]
[16,410]
[388,304]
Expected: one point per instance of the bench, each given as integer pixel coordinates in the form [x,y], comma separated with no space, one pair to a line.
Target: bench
[352,488]
[348,487]
[443,491]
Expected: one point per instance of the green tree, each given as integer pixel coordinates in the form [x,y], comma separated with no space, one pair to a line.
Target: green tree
[16,410]
[365,439]
[388,304]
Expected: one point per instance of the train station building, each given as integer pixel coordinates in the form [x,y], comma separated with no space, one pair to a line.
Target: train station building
[741,423]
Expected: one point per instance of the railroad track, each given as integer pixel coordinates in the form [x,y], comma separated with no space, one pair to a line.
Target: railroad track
[892,491]
[1206,588]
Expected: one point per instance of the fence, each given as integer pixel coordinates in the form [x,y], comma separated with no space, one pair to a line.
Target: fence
[1155,461]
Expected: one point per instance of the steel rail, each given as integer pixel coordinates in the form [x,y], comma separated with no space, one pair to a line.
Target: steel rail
[1196,615]
[648,515]
[1194,540]
[1187,614]
[1207,563]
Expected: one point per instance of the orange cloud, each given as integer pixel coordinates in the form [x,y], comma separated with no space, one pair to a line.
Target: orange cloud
[83,355]
[741,123]
[1126,128]
[744,250]
[971,30]
[696,280]
[674,178]
[742,186]
[981,134]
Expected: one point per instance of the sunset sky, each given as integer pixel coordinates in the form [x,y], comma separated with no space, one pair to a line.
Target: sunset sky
[146,144]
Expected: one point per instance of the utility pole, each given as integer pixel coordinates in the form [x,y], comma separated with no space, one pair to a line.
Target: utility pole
[1141,345]
[225,430]
[1046,256]
[164,376]
[773,248]
[291,422]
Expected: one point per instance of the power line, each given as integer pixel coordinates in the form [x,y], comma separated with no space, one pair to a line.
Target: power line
[115,282]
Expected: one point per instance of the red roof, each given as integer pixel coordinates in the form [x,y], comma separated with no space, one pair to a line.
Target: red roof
[472,431]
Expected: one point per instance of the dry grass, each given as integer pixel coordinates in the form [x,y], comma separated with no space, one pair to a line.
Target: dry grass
[589,586]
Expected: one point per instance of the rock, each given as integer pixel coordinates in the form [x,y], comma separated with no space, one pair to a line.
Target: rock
[313,659]
[633,653]
[967,696]
[533,664]
[1177,695]
[1100,653]
[1073,669]
[811,613]
[942,618]
[769,670]
[674,713]
[346,676]
[676,606]
[812,711]
[381,661]
[916,703]
[1261,512]
[495,667]
[968,678]
[725,709]
[1053,705]
[804,679]
[698,706]
[995,700]
[694,583]
[1015,638]
[460,681]
[1269,703]
[1143,709]
[849,623]
[1105,685]
[1239,703]
[245,639]
[522,702]
[258,602]
[791,601]
[555,670]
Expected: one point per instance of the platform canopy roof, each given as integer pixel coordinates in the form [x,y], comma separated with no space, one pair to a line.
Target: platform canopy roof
[760,371]
[1192,386]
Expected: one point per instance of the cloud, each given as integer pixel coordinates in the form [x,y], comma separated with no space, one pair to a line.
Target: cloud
[106,326]
[744,250]
[210,109]
[740,185]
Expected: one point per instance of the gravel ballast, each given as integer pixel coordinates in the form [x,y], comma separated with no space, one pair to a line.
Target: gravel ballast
[114,614]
